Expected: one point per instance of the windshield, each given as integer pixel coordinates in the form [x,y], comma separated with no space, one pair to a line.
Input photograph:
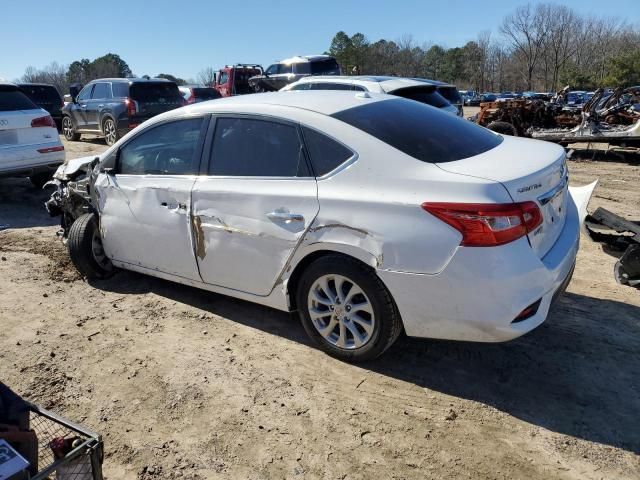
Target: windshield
[12,99]
[41,93]
[427,134]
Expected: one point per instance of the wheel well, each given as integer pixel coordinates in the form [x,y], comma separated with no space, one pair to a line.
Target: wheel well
[294,278]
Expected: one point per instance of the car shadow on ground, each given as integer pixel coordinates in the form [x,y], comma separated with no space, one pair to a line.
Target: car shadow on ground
[22,205]
[578,374]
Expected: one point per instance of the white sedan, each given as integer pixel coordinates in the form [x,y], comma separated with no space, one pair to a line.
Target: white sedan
[368,214]
[29,141]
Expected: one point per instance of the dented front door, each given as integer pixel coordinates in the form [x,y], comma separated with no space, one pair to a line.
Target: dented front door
[145,222]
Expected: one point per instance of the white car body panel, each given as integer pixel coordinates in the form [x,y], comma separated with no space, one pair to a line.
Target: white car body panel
[368,208]
[19,142]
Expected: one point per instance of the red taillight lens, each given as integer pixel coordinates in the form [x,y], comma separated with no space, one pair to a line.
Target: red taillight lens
[487,225]
[43,122]
[132,108]
[59,148]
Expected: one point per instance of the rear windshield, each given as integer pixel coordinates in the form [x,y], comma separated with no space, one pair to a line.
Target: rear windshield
[41,93]
[428,134]
[319,67]
[13,99]
[206,93]
[423,95]
[450,93]
[155,92]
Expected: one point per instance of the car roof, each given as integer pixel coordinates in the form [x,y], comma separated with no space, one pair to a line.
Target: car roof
[388,84]
[326,102]
[131,80]
[304,59]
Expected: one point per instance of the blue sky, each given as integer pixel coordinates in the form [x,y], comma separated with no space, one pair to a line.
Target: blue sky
[182,38]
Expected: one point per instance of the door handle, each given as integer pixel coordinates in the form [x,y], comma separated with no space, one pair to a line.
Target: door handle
[286,217]
[83,106]
[100,106]
[170,206]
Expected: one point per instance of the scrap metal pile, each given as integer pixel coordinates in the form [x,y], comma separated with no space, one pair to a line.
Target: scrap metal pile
[611,117]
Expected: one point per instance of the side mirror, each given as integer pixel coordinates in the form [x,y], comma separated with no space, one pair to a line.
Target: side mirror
[68,99]
[74,90]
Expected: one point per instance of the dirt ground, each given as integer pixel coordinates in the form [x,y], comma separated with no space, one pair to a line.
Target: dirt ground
[188,384]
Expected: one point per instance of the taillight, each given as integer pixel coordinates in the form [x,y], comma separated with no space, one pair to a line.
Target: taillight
[132,108]
[487,224]
[59,148]
[43,122]
[192,97]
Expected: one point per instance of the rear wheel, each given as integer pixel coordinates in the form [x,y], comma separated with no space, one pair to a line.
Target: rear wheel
[85,248]
[504,128]
[346,310]
[110,131]
[68,130]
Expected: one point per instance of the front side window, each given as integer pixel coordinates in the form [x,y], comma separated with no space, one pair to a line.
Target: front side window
[302,86]
[168,149]
[331,86]
[247,147]
[85,93]
[284,68]
[101,91]
[326,154]
[272,70]
[224,78]
[425,133]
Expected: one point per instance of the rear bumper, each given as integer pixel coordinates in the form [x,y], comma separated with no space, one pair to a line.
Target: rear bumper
[482,290]
[26,160]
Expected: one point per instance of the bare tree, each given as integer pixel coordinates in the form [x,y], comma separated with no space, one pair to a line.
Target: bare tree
[207,76]
[526,32]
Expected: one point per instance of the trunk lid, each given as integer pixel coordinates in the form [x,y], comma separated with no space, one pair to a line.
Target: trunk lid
[15,128]
[530,170]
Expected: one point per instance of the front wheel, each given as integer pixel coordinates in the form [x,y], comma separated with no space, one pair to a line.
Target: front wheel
[85,248]
[110,132]
[346,309]
[68,130]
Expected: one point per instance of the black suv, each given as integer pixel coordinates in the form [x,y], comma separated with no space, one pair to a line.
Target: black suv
[47,97]
[293,69]
[111,107]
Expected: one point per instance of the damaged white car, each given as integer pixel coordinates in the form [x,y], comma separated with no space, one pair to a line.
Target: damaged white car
[368,214]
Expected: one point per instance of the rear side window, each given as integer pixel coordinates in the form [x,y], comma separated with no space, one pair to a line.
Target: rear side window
[168,149]
[330,86]
[206,93]
[428,134]
[326,154]
[325,67]
[101,91]
[155,92]
[120,89]
[13,99]
[257,148]
[428,96]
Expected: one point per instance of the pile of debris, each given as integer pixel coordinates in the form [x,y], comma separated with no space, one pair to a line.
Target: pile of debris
[608,116]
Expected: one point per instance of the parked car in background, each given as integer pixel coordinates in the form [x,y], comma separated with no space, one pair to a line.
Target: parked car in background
[448,91]
[488,97]
[234,79]
[47,97]
[504,96]
[368,214]
[29,142]
[402,87]
[293,69]
[111,107]
[195,94]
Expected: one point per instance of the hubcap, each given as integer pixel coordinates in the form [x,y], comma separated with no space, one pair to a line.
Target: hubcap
[341,312]
[67,128]
[110,132]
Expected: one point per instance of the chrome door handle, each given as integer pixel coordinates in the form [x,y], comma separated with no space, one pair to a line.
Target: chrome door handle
[100,106]
[171,206]
[83,106]
[286,217]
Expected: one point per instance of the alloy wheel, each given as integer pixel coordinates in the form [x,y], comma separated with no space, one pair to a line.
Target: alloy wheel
[341,312]
[67,128]
[110,132]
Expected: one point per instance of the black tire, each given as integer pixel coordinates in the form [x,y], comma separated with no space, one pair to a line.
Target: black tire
[388,324]
[39,179]
[503,128]
[69,130]
[86,255]
[110,131]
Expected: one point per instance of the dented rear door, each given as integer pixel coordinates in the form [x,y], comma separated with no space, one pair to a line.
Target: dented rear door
[255,204]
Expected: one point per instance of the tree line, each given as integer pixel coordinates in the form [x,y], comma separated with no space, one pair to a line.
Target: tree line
[539,47]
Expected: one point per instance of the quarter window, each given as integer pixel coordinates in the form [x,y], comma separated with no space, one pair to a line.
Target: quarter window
[257,148]
[326,154]
[168,149]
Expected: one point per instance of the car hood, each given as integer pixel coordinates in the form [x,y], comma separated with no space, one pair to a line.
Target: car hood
[68,169]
